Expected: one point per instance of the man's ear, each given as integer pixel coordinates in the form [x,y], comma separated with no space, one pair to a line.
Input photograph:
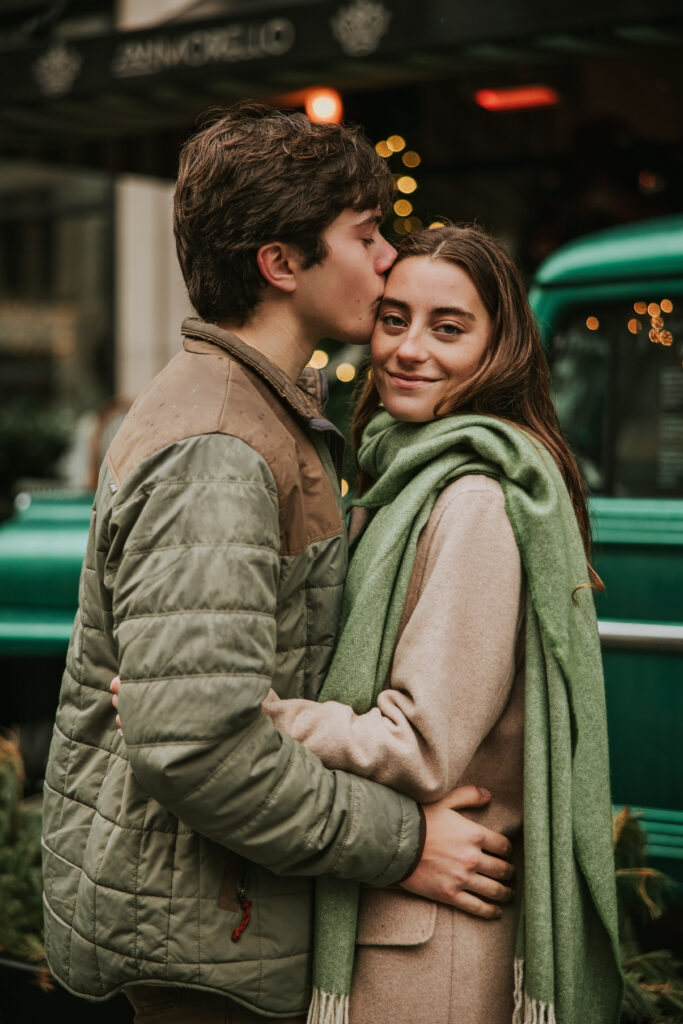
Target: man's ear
[278,264]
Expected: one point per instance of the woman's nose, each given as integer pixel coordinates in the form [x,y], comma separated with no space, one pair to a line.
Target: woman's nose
[411,349]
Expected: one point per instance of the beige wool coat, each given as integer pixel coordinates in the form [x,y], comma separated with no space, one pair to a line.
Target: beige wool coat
[451,713]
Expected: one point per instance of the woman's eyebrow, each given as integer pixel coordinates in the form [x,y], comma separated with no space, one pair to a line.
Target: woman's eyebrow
[453,311]
[439,311]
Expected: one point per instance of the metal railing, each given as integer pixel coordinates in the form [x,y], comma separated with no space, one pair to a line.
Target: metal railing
[640,636]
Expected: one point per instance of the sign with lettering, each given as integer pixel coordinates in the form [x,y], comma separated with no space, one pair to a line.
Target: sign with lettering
[226,44]
[299,36]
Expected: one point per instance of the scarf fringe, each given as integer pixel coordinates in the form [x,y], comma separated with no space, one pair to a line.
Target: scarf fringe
[529,1011]
[326,1008]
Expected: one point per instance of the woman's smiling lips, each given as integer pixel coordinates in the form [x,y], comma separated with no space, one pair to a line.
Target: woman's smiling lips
[408,381]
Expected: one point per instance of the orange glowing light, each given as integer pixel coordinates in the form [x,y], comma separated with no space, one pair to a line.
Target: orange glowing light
[634,326]
[640,308]
[346,372]
[319,359]
[653,309]
[522,97]
[324,106]
[406,184]
[666,306]
[592,323]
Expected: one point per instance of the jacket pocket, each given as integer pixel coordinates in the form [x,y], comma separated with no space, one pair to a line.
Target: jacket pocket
[394,917]
[231,882]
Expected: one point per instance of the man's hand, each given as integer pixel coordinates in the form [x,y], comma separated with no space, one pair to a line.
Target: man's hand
[463,863]
[114,686]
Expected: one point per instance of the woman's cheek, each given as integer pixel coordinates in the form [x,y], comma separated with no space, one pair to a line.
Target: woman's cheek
[380,349]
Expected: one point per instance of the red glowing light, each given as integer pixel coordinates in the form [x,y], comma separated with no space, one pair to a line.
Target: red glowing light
[647,180]
[522,97]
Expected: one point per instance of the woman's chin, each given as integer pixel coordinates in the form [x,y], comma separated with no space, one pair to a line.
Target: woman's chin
[408,415]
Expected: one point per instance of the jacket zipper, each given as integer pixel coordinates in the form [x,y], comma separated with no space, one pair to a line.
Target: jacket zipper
[245,904]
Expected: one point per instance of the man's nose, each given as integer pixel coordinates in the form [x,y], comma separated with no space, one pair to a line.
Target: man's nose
[386,257]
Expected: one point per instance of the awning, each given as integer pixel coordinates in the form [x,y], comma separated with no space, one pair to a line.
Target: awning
[158,79]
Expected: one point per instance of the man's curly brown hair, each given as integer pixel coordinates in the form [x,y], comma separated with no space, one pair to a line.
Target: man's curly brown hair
[254,175]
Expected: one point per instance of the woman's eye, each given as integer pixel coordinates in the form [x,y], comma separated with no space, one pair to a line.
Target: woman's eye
[450,329]
[392,320]
[368,241]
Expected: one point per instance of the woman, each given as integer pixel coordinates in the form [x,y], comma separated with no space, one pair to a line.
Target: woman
[468,652]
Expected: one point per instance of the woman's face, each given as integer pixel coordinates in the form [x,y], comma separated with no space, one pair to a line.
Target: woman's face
[431,335]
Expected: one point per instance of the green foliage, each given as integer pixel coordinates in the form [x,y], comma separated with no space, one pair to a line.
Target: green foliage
[653,982]
[21,919]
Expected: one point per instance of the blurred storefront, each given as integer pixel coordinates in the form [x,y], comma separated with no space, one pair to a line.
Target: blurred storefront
[98,96]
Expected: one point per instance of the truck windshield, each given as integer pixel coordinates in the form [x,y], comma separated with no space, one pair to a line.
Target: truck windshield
[618,390]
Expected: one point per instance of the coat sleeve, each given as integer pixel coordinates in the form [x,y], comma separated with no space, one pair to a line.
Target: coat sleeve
[193,569]
[454,663]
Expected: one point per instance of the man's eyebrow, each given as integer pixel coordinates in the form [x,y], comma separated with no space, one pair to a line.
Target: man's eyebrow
[372,218]
[439,311]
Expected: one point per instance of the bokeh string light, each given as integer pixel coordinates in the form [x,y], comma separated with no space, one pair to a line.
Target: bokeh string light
[658,332]
[406,221]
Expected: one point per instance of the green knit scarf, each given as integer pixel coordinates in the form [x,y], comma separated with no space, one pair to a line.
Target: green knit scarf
[567,963]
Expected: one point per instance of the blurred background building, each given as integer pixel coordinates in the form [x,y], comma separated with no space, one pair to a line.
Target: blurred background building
[541,121]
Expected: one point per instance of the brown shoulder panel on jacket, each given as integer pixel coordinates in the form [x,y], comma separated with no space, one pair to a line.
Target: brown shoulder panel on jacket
[203,390]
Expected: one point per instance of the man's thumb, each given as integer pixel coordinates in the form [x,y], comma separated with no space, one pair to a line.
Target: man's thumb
[468,796]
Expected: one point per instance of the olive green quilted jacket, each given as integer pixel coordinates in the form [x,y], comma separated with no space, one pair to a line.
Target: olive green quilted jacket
[182,851]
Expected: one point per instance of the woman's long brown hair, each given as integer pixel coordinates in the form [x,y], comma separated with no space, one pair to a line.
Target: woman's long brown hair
[513,381]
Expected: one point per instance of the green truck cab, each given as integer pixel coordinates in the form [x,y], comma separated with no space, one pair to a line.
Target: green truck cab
[610,307]
[41,551]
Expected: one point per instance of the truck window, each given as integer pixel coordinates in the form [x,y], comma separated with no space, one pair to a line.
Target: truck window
[618,390]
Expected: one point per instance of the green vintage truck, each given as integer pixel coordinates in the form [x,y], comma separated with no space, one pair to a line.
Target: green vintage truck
[611,309]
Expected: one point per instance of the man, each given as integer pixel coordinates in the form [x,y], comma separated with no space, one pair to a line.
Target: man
[179,854]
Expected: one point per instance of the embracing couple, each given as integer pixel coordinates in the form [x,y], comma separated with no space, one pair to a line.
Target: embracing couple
[290,820]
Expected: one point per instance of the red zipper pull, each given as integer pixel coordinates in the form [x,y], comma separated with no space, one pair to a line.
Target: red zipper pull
[246,913]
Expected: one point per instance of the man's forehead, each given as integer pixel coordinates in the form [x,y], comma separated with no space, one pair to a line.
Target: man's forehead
[355,222]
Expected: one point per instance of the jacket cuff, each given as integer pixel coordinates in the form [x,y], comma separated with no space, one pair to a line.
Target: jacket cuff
[411,841]
[420,845]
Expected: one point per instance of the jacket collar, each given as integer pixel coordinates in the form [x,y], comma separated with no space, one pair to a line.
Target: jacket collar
[305,397]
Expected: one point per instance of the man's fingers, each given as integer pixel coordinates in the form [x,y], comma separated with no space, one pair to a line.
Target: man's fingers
[494,842]
[473,905]
[496,867]
[489,889]
[115,684]
[466,796]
